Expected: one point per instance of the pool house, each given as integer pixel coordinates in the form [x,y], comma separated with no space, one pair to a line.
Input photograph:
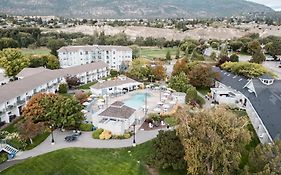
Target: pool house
[119,85]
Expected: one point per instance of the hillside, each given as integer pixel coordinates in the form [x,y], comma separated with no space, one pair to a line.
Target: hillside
[130,8]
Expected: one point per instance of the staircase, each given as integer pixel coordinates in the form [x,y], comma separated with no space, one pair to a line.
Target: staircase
[9,149]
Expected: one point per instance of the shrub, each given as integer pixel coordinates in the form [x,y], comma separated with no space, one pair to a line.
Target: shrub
[96,134]
[154,117]
[246,69]
[86,127]
[63,88]
[3,157]
[171,121]
[105,135]
[124,136]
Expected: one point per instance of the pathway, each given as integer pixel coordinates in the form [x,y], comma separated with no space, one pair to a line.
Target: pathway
[84,141]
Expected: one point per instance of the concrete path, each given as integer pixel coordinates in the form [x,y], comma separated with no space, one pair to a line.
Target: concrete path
[84,141]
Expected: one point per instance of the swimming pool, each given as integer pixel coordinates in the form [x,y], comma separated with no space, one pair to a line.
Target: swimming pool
[136,101]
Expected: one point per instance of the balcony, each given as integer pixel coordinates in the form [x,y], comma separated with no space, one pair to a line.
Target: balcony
[11,106]
[20,102]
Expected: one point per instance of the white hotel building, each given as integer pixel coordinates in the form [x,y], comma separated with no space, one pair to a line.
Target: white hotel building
[14,95]
[78,55]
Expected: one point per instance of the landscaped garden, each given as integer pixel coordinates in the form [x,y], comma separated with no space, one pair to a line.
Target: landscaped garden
[89,161]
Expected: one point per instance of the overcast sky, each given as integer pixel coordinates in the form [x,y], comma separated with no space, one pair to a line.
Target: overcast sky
[275,4]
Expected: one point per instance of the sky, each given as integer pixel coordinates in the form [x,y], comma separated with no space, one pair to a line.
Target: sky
[275,4]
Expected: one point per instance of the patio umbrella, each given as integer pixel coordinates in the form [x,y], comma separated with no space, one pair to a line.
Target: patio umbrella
[166,106]
[93,95]
[101,100]
[163,98]
[86,103]
[100,103]
[157,110]
[89,99]
[157,88]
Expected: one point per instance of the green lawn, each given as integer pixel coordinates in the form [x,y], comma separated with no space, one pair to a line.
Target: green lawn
[155,52]
[37,51]
[87,86]
[84,161]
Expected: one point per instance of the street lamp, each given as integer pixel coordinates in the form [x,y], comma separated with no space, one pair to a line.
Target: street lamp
[134,134]
[53,140]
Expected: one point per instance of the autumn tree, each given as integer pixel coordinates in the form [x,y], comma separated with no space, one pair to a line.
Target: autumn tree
[159,72]
[213,140]
[81,96]
[201,75]
[72,81]
[13,61]
[168,152]
[139,70]
[28,129]
[180,66]
[52,62]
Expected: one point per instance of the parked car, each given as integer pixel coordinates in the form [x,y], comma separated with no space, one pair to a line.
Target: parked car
[70,138]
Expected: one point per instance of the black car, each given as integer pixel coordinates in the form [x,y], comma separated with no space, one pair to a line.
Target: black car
[70,138]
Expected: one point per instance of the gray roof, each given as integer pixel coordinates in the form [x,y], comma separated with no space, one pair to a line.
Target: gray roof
[122,111]
[117,104]
[93,47]
[267,101]
[19,87]
[111,83]
[26,72]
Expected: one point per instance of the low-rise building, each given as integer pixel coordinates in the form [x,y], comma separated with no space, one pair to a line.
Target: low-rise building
[14,95]
[115,86]
[260,97]
[117,118]
[114,56]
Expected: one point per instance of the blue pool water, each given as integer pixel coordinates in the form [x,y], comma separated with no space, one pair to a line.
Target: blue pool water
[136,101]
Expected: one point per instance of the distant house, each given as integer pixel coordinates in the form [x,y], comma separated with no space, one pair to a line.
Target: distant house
[260,97]
[114,56]
[117,118]
[115,86]
[14,95]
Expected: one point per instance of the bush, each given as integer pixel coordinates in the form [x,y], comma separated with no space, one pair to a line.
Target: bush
[246,69]
[96,134]
[3,157]
[200,101]
[63,88]
[171,121]
[86,127]
[124,136]
[105,135]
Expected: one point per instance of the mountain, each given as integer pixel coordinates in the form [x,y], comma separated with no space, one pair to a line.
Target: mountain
[130,8]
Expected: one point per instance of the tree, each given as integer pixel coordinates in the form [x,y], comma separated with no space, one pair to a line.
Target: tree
[201,75]
[180,66]
[52,62]
[177,54]
[265,159]
[191,94]
[28,129]
[114,73]
[63,88]
[139,70]
[81,96]
[191,48]
[223,53]
[168,55]
[179,82]
[72,81]
[135,51]
[213,56]
[258,57]
[65,113]
[234,58]
[213,140]
[254,47]
[54,45]
[235,45]
[8,43]
[167,151]
[13,61]
[159,72]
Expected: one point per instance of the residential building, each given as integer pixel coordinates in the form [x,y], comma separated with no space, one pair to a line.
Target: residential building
[114,56]
[117,118]
[260,97]
[14,95]
[115,86]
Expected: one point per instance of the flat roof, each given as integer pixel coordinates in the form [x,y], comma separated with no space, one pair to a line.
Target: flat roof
[90,48]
